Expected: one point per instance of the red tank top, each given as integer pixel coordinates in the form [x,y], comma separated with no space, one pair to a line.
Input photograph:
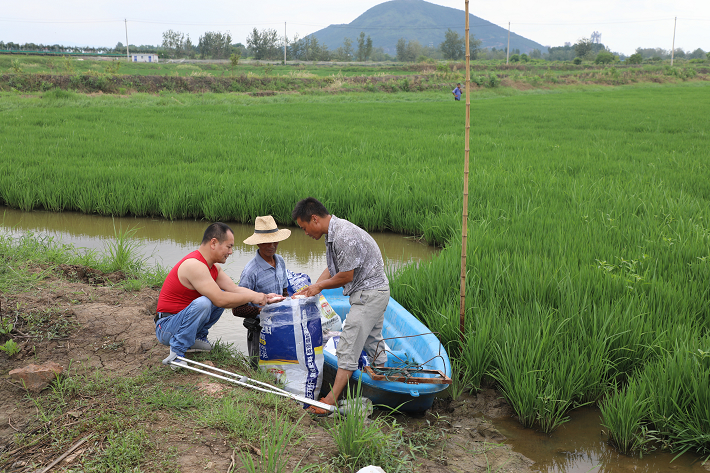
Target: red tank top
[173,296]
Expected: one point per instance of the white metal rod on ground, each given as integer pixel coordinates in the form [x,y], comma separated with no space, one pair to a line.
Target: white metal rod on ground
[464,229]
[244,381]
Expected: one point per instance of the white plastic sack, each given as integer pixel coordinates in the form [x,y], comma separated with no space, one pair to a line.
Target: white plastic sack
[296,281]
[291,344]
[329,319]
[371,469]
[332,344]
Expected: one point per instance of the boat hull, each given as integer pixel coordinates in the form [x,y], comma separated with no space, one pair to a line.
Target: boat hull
[407,338]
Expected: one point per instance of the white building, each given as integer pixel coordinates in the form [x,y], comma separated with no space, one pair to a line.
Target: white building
[144,58]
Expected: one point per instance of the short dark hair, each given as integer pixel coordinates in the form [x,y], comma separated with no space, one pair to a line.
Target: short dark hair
[305,209]
[216,230]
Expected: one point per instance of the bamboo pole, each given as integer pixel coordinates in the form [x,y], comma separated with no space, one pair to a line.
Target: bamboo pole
[464,227]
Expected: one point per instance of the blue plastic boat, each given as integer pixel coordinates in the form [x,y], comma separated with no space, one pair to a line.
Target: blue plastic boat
[407,339]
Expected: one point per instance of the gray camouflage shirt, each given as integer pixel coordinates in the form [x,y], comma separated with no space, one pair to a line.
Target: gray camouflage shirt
[349,247]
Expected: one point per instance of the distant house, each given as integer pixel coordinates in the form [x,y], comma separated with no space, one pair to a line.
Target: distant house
[144,58]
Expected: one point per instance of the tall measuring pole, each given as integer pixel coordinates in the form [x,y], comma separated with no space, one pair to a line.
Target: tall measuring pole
[128,54]
[673,47]
[507,50]
[464,227]
[284,42]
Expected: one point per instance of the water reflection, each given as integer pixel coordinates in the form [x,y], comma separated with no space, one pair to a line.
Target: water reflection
[165,243]
[579,446]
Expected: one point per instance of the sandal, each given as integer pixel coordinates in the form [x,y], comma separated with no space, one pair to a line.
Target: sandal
[318,411]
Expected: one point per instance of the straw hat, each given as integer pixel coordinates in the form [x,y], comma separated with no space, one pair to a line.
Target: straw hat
[266,231]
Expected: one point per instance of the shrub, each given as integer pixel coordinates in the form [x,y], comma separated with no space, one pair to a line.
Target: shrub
[577,60]
[68,65]
[604,57]
[404,85]
[635,59]
[237,86]
[113,67]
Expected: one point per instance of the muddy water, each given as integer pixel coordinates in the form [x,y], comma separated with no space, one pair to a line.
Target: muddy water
[579,446]
[165,243]
[576,447]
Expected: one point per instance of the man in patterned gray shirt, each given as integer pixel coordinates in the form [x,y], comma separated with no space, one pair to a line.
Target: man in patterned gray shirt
[355,264]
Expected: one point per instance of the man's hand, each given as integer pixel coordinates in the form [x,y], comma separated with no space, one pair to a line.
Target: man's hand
[274,298]
[308,291]
[261,299]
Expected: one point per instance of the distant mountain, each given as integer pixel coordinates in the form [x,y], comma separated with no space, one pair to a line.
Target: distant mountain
[422,21]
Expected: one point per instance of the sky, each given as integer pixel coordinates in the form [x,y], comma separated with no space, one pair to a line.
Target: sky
[624,25]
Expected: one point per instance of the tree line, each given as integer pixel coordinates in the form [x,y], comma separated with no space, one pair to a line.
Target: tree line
[267,44]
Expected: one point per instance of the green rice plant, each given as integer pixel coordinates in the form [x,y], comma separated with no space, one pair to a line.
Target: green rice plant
[624,415]
[123,251]
[539,373]
[478,352]
[278,436]
[678,387]
[361,442]
[460,377]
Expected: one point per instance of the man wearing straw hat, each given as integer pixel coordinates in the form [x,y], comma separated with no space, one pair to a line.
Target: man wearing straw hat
[355,264]
[266,273]
[196,292]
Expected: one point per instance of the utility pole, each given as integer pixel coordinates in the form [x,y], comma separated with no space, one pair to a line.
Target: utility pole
[464,228]
[285,42]
[673,47]
[507,51]
[128,54]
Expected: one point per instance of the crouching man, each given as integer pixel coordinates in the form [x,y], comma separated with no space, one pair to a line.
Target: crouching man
[195,293]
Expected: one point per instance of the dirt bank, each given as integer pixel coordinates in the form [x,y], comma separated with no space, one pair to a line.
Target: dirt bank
[84,320]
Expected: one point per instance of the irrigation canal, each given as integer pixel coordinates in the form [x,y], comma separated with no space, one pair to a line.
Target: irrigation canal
[576,447]
[165,243]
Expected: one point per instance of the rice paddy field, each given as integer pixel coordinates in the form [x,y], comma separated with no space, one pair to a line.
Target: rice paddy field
[589,219]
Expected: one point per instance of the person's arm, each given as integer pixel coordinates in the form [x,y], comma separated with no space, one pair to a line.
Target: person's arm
[222,291]
[324,275]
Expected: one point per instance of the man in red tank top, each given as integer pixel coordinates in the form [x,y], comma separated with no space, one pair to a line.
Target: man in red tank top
[195,293]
